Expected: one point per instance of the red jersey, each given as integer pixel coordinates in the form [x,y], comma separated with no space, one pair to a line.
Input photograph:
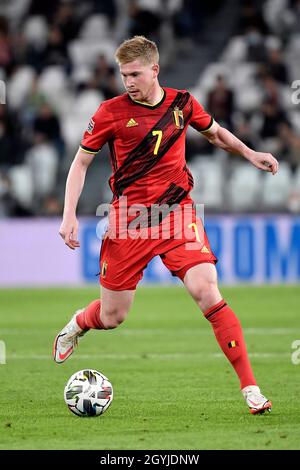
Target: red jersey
[147,145]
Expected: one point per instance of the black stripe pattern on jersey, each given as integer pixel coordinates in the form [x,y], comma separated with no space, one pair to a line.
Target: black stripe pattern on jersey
[166,203]
[190,176]
[113,155]
[141,159]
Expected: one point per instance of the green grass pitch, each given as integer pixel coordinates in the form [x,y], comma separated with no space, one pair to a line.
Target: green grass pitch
[173,389]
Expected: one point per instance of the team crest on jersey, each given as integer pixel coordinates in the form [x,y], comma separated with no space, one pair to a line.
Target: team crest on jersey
[91,125]
[178,118]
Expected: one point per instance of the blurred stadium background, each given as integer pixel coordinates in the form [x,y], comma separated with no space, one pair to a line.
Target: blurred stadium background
[239,58]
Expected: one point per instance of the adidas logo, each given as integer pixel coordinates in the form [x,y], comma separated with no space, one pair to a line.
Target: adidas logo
[204,250]
[131,123]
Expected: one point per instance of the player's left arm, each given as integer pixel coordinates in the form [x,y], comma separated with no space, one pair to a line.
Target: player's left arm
[224,139]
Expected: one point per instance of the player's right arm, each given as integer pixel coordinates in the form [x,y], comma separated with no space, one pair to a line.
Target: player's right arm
[75,182]
[98,132]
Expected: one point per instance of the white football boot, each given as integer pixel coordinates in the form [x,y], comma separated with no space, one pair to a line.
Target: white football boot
[257,402]
[67,339]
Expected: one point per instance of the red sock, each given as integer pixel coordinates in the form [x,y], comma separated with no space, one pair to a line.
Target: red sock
[228,332]
[90,317]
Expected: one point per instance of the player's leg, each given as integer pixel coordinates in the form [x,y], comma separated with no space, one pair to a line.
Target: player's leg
[101,314]
[107,313]
[121,265]
[201,282]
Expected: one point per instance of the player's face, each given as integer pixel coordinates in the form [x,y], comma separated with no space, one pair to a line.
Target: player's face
[139,79]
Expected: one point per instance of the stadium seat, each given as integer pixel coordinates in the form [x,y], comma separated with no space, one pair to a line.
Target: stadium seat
[76,121]
[294,117]
[235,52]
[273,10]
[95,27]
[22,184]
[210,73]
[36,30]
[87,103]
[53,84]
[15,10]
[293,47]
[19,86]
[246,76]
[81,74]
[244,187]
[42,160]
[208,181]
[294,195]
[276,189]
[83,52]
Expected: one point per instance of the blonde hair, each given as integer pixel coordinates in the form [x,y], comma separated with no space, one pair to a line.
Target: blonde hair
[137,47]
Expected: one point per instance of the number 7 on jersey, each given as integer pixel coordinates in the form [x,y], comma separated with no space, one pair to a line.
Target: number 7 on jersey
[159,137]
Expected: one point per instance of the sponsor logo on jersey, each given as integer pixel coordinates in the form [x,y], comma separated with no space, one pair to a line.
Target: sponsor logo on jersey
[131,123]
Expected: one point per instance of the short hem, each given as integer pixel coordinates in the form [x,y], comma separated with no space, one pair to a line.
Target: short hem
[182,272]
[110,287]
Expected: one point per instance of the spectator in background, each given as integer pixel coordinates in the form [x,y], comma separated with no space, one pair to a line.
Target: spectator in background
[55,52]
[12,144]
[51,206]
[276,66]
[6,55]
[220,102]
[107,8]
[144,21]
[45,8]
[250,17]
[5,197]
[256,48]
[272,118]
[104,78]
[47,124]
[66,21]
[32,104]
[290,145]
[6,145]
[270,88]
[294,11]
[244,132]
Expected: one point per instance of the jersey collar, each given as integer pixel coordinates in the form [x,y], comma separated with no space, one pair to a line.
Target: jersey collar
[150,106]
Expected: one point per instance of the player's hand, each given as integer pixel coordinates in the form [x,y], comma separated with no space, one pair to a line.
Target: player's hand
[264,161]
[69,232]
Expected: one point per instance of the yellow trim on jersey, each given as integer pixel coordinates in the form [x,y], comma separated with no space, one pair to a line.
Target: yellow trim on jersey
[88,151]
[148,104]
[206,130]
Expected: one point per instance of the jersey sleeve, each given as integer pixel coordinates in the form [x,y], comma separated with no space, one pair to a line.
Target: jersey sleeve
[99,131]
[200,120]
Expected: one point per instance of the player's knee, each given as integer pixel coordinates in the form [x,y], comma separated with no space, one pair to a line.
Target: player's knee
[203,290]
[113,318]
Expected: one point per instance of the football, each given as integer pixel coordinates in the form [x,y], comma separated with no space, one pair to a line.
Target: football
[88,393]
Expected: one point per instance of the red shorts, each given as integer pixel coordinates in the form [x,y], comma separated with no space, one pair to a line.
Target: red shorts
[122,261]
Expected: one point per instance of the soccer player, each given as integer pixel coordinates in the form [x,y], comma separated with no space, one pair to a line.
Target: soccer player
[145,128]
